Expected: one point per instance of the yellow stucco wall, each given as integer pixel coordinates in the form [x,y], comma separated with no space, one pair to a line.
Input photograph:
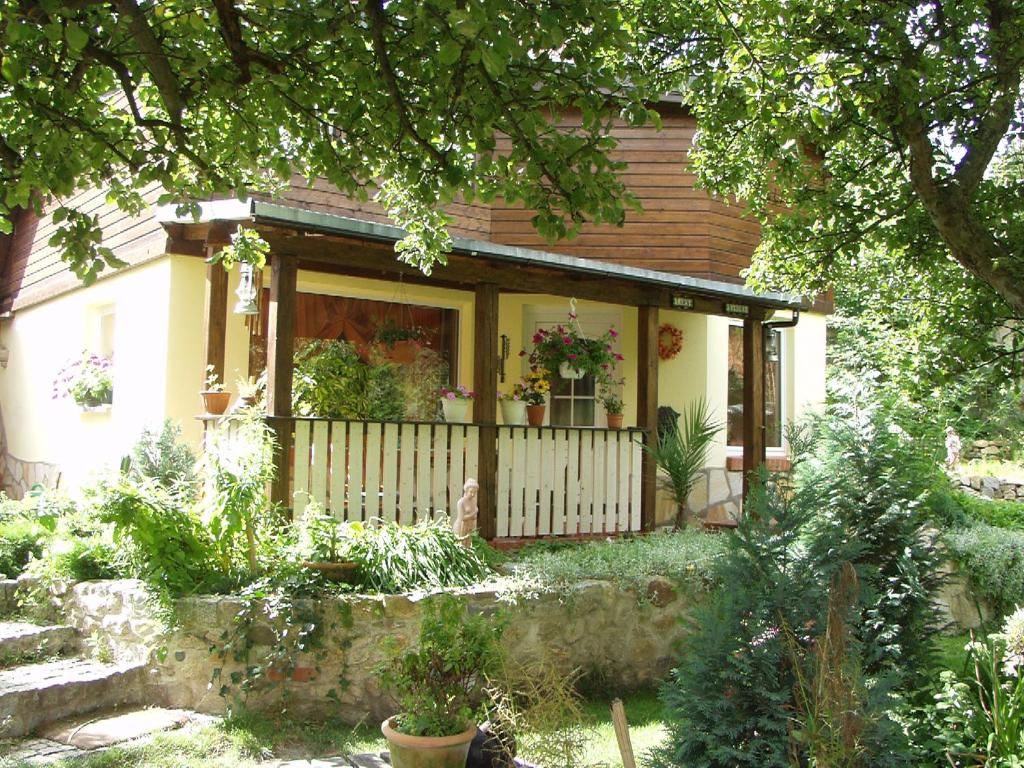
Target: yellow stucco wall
[41,339]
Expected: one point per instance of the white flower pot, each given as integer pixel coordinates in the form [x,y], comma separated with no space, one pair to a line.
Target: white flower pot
[566,371]
[513,412]
[455,411]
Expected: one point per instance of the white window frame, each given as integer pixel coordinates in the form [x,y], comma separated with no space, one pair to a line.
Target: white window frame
[784,392]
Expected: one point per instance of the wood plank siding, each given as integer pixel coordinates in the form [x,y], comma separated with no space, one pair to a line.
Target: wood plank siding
[681,228]
[35,271]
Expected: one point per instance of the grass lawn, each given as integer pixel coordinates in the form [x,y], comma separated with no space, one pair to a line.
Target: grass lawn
[246,740]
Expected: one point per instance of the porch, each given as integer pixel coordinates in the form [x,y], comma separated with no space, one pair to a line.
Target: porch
[556,480]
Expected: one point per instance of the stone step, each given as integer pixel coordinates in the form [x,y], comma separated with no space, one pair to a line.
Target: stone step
[20,641]
[32,695]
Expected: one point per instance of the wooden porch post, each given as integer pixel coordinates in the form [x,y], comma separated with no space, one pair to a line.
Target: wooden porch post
[280,349]
[647,408]
[485,407]
[753,400]
[215,313]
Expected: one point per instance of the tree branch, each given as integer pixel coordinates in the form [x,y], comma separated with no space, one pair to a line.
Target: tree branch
[996,120]
[156,62]
[375,12]
[241,54]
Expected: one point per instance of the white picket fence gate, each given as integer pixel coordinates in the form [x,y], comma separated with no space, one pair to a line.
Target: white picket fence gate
[551,480]
[555,481]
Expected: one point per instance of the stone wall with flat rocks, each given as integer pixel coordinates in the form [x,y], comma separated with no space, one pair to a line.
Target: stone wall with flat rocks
[992,487]
[623,637]
[987,449]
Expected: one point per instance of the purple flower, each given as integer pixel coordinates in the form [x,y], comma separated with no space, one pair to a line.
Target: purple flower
[450,395]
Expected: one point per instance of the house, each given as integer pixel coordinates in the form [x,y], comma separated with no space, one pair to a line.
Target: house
[332,273]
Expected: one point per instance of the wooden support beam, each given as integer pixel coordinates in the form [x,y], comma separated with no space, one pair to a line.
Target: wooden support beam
[753,401]
[215,320]
[647,408]
[377,261]
[485,407]
[215,314]
[280,351]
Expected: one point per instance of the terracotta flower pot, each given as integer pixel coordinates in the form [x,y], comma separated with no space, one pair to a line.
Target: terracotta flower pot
[216,402]
[614,420]
[427,751]
[535,415]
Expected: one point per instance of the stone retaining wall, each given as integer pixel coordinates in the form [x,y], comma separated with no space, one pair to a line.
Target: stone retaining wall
[596,628]
[987,449]
[992,487]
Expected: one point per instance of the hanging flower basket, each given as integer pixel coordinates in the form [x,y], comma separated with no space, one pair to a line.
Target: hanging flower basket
[567,371]
[568,351]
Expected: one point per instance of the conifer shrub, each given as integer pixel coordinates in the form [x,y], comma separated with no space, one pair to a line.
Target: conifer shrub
[745,690]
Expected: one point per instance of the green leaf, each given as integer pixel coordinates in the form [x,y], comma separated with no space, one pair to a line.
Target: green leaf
[77,37]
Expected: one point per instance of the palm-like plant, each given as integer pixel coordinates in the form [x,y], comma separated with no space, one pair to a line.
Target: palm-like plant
[681,453]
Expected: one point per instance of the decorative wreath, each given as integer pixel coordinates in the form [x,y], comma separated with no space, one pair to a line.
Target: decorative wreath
[670,341]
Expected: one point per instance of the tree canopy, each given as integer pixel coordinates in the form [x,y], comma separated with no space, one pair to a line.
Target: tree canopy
[229,96]
[845,124]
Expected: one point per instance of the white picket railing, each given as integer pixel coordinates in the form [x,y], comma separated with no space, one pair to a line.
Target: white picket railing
[568,481]
[359,470]
[552,481]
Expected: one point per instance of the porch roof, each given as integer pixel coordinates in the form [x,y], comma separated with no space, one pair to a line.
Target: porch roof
[261,212]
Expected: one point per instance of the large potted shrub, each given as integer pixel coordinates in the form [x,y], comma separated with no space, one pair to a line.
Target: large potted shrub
[439,686]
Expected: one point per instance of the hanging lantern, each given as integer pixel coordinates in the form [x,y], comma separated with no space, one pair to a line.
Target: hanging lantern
[772,347]
[246,292]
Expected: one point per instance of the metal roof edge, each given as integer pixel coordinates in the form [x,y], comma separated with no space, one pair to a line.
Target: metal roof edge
[212,210]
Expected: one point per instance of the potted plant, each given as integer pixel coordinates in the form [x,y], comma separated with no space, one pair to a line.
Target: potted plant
[613,409]
[567,350]
[322,545]
[455,403]
[439,686]
[87,380]
[513,406]
[249,391]
[402,343]
[535,389]
[215,399]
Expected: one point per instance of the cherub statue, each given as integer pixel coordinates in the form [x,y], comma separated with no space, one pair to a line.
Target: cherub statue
[465,518]
[953,447]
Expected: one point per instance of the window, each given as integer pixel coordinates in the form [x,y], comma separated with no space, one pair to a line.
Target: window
[573,402]
[773,415]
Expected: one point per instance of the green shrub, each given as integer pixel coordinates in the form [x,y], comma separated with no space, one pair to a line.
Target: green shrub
[160,457]
[394,558]
[854,498]
[333,381]
[173,548]
[994,512]
[21,540]
[993,559]
[688,556]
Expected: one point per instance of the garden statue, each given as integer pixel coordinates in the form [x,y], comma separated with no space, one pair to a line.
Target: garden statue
[465,518]
[953,447]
